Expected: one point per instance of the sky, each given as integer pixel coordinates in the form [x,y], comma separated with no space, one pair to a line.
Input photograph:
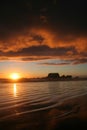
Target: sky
[42,36]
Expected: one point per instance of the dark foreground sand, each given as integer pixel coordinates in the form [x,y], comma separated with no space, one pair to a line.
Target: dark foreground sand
[69,115]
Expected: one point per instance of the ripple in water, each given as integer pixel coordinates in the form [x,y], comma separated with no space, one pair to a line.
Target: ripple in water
[24,98]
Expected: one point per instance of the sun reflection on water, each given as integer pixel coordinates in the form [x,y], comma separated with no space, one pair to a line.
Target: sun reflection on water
[15,90]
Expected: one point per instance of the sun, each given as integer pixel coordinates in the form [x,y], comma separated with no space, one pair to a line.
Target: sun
[15,76]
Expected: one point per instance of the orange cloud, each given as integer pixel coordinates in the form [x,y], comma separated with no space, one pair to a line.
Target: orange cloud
[36,37]
[40,44]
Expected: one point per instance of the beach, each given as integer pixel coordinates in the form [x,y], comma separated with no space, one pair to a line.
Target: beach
[75,118]
[71,114]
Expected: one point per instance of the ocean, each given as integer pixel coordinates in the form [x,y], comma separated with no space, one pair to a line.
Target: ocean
[22,104]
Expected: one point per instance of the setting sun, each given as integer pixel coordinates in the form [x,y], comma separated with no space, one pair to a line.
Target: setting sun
[15,76]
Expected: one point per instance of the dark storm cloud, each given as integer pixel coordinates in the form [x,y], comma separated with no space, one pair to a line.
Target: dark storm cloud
[43,29]
[54,64]
[80,61]
[67,55]
[41,50]
[70,14]
[68,62]
[64,16]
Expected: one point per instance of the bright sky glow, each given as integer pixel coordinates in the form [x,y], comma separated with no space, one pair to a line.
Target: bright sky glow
[15,76]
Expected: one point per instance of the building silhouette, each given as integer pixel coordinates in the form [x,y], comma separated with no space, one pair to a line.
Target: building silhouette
[53,76]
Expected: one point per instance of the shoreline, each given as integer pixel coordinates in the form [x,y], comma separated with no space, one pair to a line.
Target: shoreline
[38,80]
[70,114]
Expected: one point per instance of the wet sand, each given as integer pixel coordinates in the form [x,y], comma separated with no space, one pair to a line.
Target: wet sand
[71,114]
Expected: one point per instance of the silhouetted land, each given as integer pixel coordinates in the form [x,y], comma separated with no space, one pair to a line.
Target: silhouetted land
[50,77]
